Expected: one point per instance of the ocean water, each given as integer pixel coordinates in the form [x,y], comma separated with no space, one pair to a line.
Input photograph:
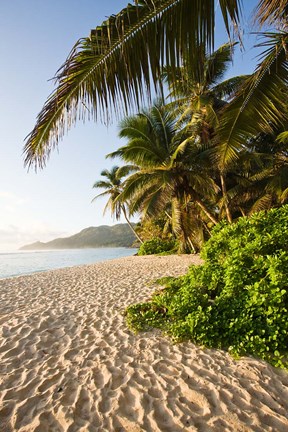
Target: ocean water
[27,262]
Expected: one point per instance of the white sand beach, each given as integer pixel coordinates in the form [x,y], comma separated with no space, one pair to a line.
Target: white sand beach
[68,362]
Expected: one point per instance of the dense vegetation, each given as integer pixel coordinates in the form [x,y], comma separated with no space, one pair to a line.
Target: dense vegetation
[157,246]
[237,300]
[215,149]
[205,161]
[120,63]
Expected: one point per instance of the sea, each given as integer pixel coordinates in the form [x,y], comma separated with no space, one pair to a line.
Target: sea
[19,263]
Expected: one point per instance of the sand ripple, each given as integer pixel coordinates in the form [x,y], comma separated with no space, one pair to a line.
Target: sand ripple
[69,363]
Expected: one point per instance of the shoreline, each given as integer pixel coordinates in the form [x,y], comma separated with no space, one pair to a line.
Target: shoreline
[69,362]
[38,261]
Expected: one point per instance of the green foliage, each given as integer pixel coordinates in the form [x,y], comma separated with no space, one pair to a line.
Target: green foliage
[144,316]
[237,300]
[157,246]
[152,227]
[112,70]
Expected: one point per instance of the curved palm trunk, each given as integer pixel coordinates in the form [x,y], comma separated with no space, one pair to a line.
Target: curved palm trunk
[206,211]
[224,193]
[130,225]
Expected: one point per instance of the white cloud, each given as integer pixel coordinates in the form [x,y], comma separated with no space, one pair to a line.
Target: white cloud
[13,237]
[19,225]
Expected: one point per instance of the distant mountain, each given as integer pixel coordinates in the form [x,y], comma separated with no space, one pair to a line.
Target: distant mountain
[119,235]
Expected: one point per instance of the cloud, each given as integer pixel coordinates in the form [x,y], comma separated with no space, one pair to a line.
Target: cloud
[18,227]
[13,237]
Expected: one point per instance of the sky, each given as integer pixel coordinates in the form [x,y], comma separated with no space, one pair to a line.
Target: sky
[36,36]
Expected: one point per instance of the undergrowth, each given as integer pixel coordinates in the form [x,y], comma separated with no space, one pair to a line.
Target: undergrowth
[237,300]
[158,246]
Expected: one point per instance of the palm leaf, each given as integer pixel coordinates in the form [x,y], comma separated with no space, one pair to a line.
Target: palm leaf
[229,87]
[283,137]
[114,68]
[284,196]
[102,184]
[262,203]
[110,174]
[271,11]
[217,64]
[261,103]
[102,194]
[126,170]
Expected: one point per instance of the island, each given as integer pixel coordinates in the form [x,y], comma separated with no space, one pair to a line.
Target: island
[119,235]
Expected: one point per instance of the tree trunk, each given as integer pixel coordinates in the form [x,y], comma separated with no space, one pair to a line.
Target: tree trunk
[130,225]
[224,193]
[206,211]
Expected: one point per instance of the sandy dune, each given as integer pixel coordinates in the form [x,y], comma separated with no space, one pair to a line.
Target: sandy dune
[69,363]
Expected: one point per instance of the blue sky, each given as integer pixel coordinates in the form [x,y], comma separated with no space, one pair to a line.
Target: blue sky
[35,38]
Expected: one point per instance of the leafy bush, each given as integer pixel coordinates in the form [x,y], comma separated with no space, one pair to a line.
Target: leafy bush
[237,300]
[157,246]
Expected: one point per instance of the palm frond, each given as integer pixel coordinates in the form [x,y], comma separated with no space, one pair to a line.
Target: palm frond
[283,137]
[154,202]
[260,104]
[114,69]
[102,194]
[272,11]
[126,170]
[139,152]
[111,174]
[217,64]
[179,151]
[284,196]
[228,88]
[262,203]
[102,184]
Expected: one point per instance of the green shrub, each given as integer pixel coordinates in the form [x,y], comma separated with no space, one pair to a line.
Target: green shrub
[157,246]
[237,300]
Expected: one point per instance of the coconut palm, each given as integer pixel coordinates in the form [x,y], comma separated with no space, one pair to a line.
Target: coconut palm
[121,62]
[113,189]
[261,103]
[262,178]
[229,125]
[171,175]
[200,92]
[200,95]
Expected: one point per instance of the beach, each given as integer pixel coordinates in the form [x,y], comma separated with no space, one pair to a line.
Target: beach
[68,362]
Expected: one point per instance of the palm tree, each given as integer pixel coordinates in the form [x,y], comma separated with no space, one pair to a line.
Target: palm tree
[113,189]
[230,125]
[170,177]
[121,62]
[200,95]
[266,172]
[260,105]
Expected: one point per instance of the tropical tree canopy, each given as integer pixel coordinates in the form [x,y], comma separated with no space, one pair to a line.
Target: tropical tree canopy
[119,64]
[172,175]
[260,104]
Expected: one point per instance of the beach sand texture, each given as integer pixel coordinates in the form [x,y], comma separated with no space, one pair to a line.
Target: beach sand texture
[69,363]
